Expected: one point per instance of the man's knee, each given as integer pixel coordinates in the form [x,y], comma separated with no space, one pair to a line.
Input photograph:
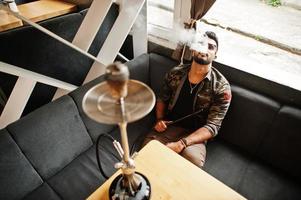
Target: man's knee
[196,154]
[147,140]
[149,137]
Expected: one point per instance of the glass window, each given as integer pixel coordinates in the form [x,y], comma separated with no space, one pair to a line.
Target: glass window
[254,36]
[160,13]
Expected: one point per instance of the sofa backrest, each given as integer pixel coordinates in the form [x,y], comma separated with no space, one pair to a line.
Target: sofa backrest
[249,118]
[159,66]
[264,128]
[52,136]
[36,149]
[39,145]
[260,121]
[274,140]
[281,145]
[17,176]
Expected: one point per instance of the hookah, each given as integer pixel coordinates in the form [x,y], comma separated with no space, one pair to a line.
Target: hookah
[119,100]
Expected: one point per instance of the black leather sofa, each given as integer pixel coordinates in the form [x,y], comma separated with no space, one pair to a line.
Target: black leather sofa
[50,153]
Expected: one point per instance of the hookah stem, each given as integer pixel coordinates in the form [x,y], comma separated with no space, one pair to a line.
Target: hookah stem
[185,117]
[124,138]
[129,181]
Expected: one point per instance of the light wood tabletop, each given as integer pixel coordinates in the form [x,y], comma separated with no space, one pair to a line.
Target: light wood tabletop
[45,9]
[8,21]
[36,11]
[172,177]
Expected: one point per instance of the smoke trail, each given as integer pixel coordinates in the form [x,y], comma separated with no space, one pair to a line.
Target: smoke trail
[181,35]
[195,40]
[178,35]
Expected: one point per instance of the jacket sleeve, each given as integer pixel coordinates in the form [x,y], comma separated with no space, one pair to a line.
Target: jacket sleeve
[165,91]
[218,109]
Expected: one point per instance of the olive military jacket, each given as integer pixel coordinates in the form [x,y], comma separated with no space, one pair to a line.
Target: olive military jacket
[213,96]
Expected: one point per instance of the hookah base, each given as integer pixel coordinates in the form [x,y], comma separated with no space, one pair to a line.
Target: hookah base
[118,192]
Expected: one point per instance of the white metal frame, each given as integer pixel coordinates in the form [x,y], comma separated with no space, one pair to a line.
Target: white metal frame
[22,91]
[116,37]
[139,32]
[88,29]
[129,10]
[182,10]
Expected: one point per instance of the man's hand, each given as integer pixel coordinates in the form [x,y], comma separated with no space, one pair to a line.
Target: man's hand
[161,126]
[176,146]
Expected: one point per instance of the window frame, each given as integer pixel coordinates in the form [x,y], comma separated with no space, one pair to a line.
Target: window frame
[181,14]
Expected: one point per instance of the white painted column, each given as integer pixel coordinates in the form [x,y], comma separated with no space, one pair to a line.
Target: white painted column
[182,11]
[91,23]
[60,92]
[17,101]
[22,90]
[17,71]
[116,37]
[88,30]
[139,32]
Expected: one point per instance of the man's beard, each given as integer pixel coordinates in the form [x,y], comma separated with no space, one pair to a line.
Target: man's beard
[201,61]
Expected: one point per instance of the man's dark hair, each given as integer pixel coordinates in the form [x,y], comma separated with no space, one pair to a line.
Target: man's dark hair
[212,36]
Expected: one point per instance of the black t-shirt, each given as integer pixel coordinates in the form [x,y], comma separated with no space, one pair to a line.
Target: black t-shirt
[184,106]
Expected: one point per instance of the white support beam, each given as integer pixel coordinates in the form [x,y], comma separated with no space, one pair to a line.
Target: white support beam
[17,101]
[60,92]
[17,71]
[88,30]
[120,30]
[96,70]
[22,90]
[139,32]
[91,23]
[182,11]
[122,26]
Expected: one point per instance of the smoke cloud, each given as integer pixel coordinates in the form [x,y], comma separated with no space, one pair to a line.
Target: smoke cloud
[196,40]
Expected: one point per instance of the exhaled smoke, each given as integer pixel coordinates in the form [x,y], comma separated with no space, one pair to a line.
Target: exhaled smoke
[181,35]
[196,40]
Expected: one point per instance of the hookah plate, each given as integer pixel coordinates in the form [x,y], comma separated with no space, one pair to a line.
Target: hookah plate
[99,105]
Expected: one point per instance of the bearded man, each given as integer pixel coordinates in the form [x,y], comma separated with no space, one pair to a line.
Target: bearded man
[196,88]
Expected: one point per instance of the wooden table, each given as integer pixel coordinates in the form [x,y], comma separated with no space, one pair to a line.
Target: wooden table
[173,177]
[8,21]
[41,10]
[36,11]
